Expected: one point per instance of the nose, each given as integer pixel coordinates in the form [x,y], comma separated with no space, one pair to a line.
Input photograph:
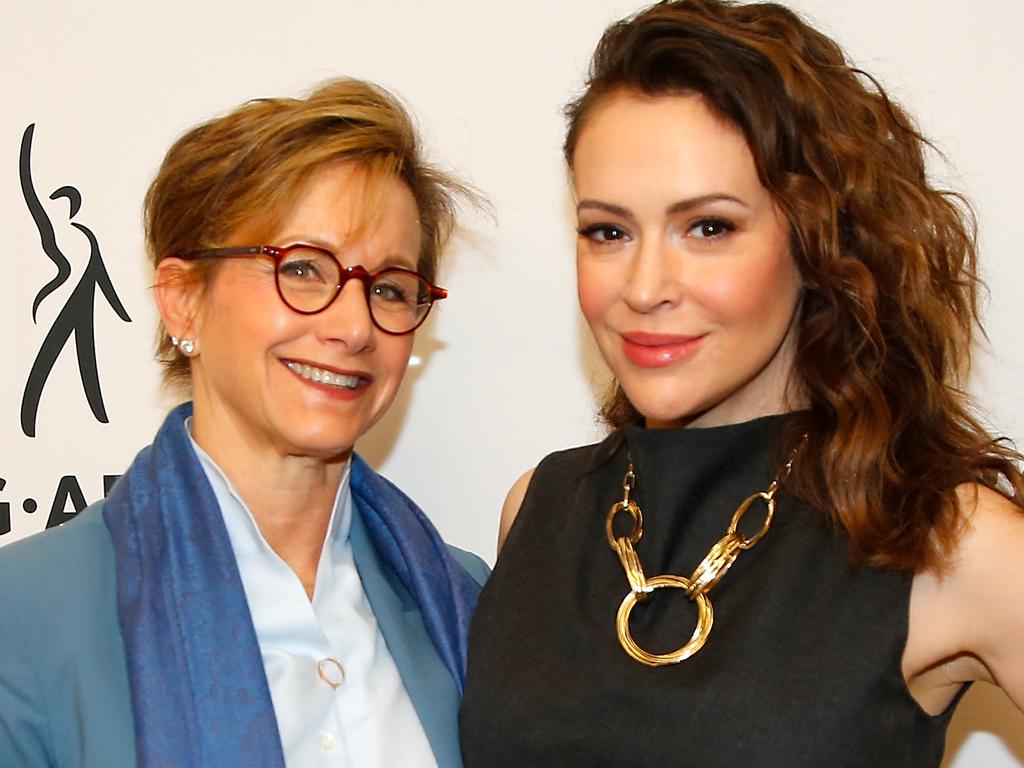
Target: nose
[347,319]
[656,276]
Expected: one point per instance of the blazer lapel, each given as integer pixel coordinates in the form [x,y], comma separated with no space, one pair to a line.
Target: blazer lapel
[427,681]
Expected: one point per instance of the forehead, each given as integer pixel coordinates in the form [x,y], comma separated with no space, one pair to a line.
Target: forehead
[672,144]
[345,204]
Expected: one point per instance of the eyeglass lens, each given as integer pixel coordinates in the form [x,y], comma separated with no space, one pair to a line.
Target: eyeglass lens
[308,280]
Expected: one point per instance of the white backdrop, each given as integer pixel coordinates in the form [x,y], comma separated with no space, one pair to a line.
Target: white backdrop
[507,371]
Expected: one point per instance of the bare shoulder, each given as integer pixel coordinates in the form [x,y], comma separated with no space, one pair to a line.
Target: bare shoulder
[989,556]
[967,619]
[513,501]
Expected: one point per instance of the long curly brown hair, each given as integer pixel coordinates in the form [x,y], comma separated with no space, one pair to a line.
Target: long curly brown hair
[889,263]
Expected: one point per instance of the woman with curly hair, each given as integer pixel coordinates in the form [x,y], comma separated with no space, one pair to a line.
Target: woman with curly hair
[799,545]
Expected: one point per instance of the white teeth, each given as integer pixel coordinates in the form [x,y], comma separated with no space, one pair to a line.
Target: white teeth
[324,377]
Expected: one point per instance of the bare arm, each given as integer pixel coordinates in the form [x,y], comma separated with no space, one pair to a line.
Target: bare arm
[991,589]
[509,510]
[966,624]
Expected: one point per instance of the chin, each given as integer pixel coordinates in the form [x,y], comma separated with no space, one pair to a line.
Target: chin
[325,451]
[322,440]
[663,406]
[666,417]
[670,412]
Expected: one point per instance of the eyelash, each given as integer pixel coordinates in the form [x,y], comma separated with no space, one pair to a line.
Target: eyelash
[591,232]
[724,227]
[604,233]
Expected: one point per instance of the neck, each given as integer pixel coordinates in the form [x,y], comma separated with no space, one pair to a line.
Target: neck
[291,497]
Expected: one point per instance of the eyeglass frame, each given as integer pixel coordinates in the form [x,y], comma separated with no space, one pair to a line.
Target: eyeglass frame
[356,272]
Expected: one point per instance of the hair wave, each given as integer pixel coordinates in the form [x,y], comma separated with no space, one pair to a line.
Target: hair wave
[889,263]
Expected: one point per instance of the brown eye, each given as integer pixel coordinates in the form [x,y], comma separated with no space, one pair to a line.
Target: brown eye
[711,228]
[603,233]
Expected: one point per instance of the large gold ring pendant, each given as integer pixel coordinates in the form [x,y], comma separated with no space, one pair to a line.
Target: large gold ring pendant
[705,617]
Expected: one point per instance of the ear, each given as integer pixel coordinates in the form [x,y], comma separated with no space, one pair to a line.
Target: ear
[177,294]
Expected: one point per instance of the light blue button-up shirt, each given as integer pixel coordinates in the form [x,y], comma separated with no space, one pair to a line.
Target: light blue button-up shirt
[368,719]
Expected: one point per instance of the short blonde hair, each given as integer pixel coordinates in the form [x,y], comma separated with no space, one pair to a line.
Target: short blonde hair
[247,167]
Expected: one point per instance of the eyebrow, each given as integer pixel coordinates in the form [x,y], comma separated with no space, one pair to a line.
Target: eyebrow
[389,260]
[680,206]
[308,239]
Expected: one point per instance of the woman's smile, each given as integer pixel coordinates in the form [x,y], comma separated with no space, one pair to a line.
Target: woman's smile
[327,377]
[657,350]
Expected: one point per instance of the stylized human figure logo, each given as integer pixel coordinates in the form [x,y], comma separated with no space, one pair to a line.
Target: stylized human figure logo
[77,315]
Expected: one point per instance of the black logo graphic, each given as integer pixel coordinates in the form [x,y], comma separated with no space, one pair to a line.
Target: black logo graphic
[5,512]
[77,315]
[69,491]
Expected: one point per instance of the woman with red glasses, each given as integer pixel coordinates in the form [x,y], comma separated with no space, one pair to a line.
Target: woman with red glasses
[251,593]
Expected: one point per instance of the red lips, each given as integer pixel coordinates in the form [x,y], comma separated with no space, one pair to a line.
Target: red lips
[657,350]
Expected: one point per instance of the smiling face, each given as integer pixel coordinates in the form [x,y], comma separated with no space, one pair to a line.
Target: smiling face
[267,377]
[683,261]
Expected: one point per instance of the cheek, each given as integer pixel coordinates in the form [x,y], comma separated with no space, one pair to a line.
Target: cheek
[244,309]
[394,354]
[736,297]
[596,290]
[761,293]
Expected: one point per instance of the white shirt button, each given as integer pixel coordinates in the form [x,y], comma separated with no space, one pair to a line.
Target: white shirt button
[327,741]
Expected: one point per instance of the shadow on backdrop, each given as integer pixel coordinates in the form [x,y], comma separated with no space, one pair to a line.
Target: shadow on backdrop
[376,445]
[986,709]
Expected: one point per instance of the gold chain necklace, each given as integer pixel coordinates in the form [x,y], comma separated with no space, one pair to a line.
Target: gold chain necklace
[712,568]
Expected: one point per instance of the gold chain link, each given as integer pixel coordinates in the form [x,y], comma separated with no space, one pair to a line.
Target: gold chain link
[705,576]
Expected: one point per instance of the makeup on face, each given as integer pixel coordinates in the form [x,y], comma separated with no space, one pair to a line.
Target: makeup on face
[684,270]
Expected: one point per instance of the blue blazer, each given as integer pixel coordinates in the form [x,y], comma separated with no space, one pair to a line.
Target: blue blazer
[64,696]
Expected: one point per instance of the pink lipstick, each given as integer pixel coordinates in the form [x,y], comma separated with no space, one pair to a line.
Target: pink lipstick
[657,350]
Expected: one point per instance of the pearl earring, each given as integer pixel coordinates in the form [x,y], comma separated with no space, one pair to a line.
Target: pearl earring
[187,346]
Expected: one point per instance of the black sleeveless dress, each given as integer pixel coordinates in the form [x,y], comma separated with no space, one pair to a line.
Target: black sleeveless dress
[802,665]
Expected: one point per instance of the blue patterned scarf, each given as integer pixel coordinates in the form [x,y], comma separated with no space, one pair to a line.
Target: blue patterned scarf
[199,693]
